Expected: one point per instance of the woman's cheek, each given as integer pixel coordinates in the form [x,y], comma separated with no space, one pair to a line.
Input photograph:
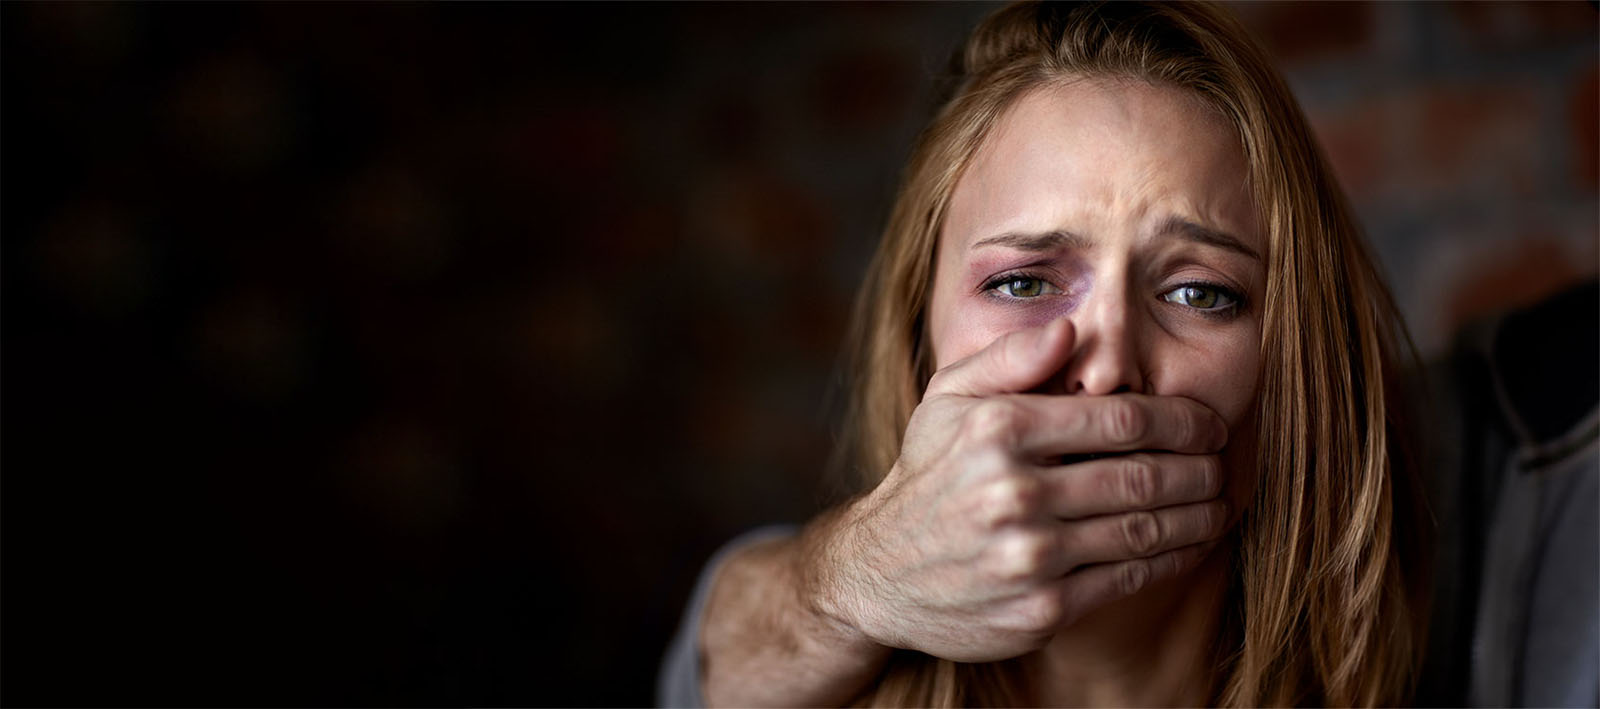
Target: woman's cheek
[968,334]
[976,325]
[1221,377]
[1224,379]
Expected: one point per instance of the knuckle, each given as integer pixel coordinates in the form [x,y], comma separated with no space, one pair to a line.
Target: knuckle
[1138,480]
[1126,422]
[1203,428]
[1171,564]
[1044,612]
[1012,352]
[1132,576]
[992,421]
[1141,532]
[1216,518]
[986,464]
[1211,474]
[1010,499]
[1190,430]
[1040,611]
[1021,557]
[1000,357]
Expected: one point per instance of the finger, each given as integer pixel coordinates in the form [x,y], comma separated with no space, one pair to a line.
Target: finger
[1135,535]
[1124,483]
[1064,425]
[1018,361]
[1091,587]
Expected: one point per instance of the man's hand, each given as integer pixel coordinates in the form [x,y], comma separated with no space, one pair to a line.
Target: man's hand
[979,544]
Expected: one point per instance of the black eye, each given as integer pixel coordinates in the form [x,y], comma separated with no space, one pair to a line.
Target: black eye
[1020,286]
[1023,287]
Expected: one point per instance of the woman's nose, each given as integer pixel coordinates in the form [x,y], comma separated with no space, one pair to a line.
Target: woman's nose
[1107,357]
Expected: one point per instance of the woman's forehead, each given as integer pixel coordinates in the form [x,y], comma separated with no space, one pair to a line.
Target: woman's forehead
[1097,154]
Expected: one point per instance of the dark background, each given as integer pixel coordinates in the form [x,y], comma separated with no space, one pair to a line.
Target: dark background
[421,353]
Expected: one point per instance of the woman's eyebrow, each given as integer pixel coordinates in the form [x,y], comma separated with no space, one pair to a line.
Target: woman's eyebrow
[1178,226]
[1042,241]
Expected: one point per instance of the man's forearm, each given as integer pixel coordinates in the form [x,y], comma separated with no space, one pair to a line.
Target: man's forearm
[764,642]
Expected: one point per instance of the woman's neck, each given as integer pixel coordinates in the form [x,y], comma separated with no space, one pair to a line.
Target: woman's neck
[1151,649]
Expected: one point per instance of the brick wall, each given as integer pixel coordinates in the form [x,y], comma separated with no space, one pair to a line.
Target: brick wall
[1465,135]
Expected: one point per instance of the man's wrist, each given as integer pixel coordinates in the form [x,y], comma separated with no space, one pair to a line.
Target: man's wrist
[822,583]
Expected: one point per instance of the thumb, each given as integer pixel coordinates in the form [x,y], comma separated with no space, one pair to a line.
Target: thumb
[1016,362]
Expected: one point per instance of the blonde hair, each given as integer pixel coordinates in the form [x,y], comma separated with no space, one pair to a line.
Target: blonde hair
[1326,600]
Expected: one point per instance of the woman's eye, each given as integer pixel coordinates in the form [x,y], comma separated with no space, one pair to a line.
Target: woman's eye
[1201,297]
[1023,286]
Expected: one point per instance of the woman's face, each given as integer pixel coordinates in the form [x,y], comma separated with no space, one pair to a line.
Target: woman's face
[1124,207]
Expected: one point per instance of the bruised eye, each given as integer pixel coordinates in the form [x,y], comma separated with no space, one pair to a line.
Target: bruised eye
[1201,296]
[1022,286]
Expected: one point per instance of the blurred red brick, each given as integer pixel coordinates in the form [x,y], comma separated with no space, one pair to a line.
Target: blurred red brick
[732,125]
[1522,272]
[752,213]
[232,114]
[91,254]
[1522,25]
[571,328]
[1295,32]
[631,237]
[1481,131]
[403,471]
[252,344]
[87,34]
[391,223]
[1354,139]
[814,322]
[570,148]
[861,91]
[1584,112]
[717,424]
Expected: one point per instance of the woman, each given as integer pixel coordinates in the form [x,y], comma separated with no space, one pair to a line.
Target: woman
[1122,408]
